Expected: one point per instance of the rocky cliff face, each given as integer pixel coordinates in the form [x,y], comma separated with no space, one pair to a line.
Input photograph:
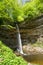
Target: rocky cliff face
[35,22]
[9,37]
[31,32]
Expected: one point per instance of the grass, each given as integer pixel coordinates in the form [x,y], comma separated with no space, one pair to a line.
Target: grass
[7,57]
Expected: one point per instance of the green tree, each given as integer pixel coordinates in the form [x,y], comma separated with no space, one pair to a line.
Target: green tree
[33,9]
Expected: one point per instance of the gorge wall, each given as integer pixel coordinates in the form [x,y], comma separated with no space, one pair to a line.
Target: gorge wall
[9,36]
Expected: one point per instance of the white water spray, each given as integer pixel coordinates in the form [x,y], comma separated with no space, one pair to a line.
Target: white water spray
[19,40]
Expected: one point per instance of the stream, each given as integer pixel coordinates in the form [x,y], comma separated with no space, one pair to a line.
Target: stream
[19,40]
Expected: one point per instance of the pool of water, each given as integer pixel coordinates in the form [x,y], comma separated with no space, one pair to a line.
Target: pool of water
[37,62]
[34,59]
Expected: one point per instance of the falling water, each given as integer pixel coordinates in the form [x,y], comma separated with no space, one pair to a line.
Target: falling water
[19,40]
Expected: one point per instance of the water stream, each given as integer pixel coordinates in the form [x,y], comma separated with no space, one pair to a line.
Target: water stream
[19,40]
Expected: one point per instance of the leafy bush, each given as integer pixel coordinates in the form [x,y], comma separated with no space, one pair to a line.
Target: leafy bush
[7,57]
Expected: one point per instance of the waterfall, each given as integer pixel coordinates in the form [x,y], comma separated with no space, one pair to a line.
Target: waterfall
[19,40]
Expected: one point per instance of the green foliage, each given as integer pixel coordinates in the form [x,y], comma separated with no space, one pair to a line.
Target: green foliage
[33,9]
[12,11]
[7,57]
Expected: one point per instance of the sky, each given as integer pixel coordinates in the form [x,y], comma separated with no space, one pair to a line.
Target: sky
[23,1]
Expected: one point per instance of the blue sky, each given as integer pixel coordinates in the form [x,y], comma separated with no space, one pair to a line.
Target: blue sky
[23,1]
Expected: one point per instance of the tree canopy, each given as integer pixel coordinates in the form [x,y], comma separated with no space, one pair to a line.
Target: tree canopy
[9,9]
[33,8]
[12,11]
